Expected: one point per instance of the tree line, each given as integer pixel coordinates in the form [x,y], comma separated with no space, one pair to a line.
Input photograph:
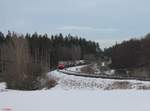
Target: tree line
[25,59]
[134,53]
[56,47]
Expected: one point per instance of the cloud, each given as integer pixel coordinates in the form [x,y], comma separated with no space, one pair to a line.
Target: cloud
[86,28]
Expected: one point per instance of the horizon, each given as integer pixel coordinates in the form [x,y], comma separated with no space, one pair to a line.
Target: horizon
[102,43]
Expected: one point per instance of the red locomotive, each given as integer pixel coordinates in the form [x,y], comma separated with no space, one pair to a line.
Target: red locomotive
[61,66]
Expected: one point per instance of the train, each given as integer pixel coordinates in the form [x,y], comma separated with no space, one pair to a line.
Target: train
[65,64]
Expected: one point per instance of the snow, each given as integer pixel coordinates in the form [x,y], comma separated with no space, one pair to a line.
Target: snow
[76,68]
[2,86]
[75,100]
[75,93]
[110,72]
[68,82]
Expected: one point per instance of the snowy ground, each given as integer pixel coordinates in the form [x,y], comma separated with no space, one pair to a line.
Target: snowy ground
[75,100]
[67,82]
[76,68]
[80,94]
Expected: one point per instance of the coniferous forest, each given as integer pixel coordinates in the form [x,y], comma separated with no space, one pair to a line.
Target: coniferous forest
[132,56]
[30,56]
[134,53]
[55,48]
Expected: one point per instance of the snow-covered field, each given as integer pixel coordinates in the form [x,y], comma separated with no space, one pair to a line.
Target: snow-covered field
[67,82]
[77,94]
[75,100]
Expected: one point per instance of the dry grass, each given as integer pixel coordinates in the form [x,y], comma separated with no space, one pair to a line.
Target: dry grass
[144,87]
[119,85]
[51,83]
[91,84]
[87,70]
[74,84]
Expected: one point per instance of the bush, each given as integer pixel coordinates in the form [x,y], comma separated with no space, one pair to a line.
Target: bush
[87,70]
[21,73]
[119,85]
[51,83]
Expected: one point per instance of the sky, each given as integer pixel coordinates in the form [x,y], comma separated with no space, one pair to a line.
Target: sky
[104,21]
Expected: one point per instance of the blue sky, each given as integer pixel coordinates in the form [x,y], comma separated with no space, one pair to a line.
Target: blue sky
[105,21]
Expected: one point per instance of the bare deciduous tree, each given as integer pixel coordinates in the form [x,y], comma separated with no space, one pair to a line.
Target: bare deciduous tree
[21,72]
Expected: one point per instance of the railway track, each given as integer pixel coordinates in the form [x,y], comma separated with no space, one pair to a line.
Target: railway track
[102,75]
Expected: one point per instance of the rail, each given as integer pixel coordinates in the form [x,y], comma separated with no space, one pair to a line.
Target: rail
[103,75]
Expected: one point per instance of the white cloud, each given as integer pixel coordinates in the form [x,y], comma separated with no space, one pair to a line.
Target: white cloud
[86,28]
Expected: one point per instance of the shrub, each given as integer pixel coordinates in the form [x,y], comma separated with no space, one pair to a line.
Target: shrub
[51,83]
[21,73]
[87,70]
